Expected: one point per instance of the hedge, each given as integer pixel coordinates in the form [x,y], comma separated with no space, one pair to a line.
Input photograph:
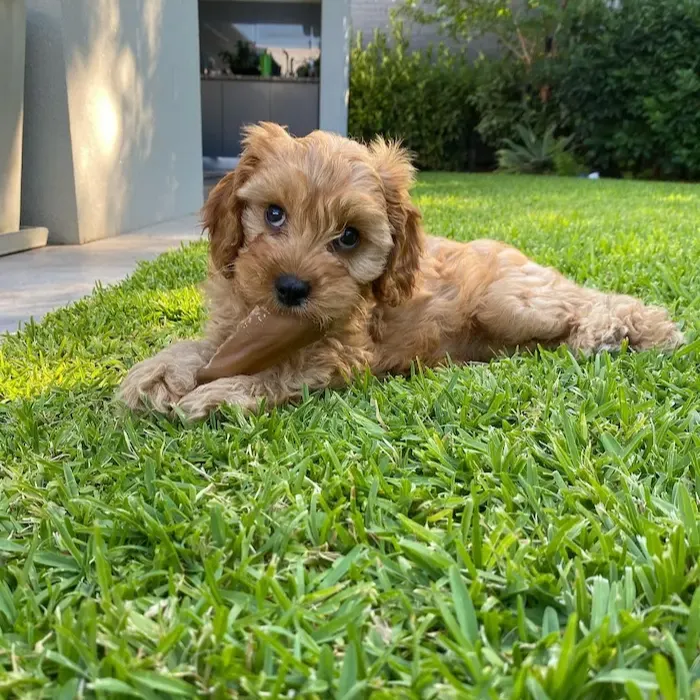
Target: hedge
[624,84]
[423,98]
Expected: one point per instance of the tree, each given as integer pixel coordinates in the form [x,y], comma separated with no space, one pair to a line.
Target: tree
[530,32]
[526,29]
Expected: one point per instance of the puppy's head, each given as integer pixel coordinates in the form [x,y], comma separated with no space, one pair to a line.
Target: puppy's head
[313,226]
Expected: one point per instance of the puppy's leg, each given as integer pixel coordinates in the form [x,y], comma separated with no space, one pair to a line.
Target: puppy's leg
[528,304]
[611,318]
[277,385]
[161,381]
[242,390]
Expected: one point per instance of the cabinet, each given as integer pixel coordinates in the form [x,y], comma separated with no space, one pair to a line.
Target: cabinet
[228,104]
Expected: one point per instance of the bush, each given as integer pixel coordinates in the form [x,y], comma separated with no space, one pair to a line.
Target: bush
[621,78]
[532,153]
[420,97]
[507,94]
[630,85]
[566,164]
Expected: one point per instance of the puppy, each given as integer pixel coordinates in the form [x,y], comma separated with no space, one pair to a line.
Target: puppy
[324,227]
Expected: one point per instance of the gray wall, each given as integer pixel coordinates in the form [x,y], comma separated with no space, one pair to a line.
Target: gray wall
[113,124]
[12,91]
[368,15]
[335,65]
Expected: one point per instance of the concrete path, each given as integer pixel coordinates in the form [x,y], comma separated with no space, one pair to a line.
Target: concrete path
[38,281]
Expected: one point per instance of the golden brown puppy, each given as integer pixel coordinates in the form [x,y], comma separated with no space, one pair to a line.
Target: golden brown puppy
[324,227]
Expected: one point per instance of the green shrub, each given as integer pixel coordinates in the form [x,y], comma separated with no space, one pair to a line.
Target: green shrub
[532,153]
[566,164]
[630,85]
[507,94]
[621,78]
[420,97]
[501,99]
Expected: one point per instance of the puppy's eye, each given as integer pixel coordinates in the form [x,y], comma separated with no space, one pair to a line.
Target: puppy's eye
[347,240]
[275,216]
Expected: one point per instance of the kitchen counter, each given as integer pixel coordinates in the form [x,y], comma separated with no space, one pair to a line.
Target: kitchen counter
[260,78]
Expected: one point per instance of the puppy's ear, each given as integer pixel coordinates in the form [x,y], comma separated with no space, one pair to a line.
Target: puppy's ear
[221,215]
[396,172]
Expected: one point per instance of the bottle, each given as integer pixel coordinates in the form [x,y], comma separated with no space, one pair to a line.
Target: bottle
[266,65]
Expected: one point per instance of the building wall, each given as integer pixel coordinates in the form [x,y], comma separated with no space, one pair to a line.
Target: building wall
[368,15]
[11,80]
[335,65]
[113,121]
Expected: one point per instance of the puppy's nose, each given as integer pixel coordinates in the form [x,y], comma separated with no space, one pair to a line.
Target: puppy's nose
[291,291]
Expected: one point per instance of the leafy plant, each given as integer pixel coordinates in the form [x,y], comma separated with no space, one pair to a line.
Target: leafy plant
[525,30]
[566,164]
[309,69]
[506,94]
[621,78]
[531,153]
[420,97]
[516,86]
[245,60]
[630,86]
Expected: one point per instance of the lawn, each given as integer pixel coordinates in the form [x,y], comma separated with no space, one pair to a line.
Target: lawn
[527,528]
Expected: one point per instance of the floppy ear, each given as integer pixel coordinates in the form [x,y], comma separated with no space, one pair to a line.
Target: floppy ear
[221,214]
[396,172]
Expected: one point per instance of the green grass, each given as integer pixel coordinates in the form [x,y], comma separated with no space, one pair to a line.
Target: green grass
[527,528]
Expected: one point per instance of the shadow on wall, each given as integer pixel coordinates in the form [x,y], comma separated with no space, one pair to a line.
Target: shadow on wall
[10,155]
[11,79]
[109,74]
[133,136]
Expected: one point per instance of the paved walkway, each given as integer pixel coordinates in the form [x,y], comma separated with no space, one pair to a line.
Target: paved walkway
[38,281]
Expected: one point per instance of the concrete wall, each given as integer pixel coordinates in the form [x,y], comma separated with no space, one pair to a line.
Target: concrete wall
[335,65]
[12,91]
[113,123]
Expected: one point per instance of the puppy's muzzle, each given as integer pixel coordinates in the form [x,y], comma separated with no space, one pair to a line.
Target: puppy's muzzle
[292,291]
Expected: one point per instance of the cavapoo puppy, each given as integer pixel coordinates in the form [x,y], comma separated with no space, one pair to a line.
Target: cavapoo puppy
[324,227]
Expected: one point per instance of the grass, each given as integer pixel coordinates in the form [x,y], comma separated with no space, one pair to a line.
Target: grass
[526,529]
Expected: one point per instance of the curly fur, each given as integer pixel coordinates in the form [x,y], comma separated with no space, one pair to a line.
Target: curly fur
[399,296]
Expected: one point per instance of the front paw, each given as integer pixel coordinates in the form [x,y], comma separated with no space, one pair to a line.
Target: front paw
[205,399]
[157,383]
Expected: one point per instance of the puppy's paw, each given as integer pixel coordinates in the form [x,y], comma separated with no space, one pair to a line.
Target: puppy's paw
[157,383]
[592,341]
[623,318]
[199,403]
[674,339]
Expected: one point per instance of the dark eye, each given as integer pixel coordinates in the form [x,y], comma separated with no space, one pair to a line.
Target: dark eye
[275,216]
[347,240]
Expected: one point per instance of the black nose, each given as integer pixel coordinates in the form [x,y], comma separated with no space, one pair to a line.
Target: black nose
[291,291]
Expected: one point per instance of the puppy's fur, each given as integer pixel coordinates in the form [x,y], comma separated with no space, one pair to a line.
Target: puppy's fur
[398,296]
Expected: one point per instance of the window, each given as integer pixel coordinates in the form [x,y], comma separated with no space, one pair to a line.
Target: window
[260,38]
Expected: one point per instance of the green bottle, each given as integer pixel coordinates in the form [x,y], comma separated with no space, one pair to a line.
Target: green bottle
[266,65]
